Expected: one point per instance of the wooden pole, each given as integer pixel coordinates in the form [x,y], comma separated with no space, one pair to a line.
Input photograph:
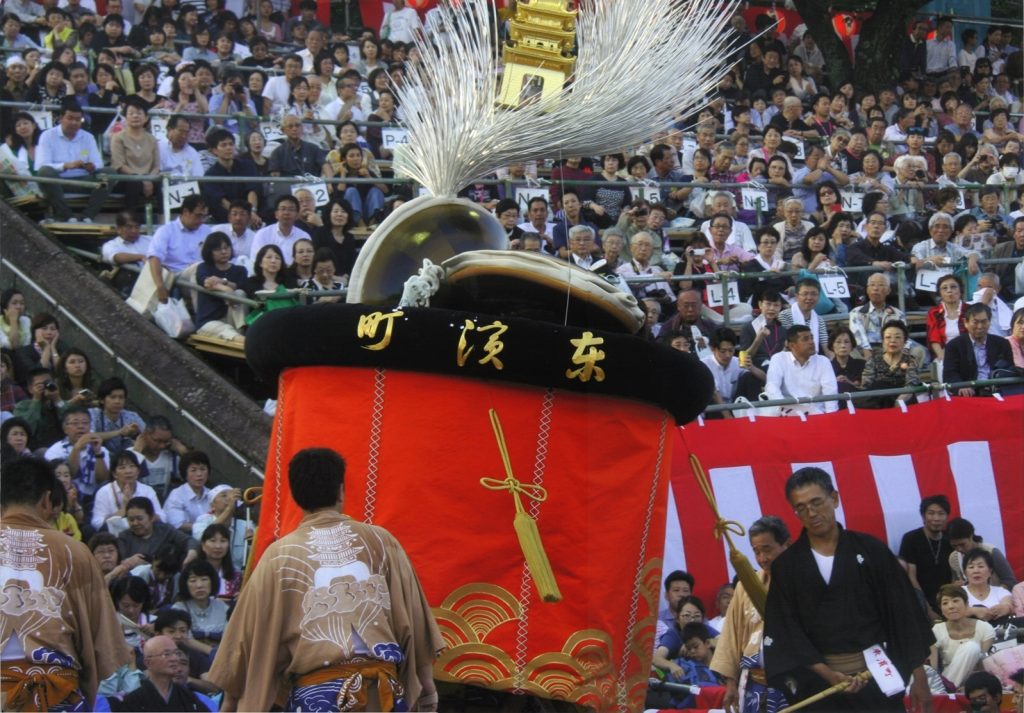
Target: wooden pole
[862,676]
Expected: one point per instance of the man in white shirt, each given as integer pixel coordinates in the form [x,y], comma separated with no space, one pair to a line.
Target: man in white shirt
[238,230]
[188,502]
[725,367]
[739,234]
[315,43]
[537,222]
[129,247]
[177,156]
[801,373]
[347,106]
[67,151]
[401,23]
[896,133]
[158,451]
[88,460]
[705,140]
[802,312]
[988,294]
[278,87]
[938,252]
[283,233]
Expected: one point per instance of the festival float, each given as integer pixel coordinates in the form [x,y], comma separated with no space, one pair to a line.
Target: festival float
[497,410]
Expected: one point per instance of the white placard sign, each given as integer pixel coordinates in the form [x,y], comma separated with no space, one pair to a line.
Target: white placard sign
[393,137]
[271,131]
[853,202]
[319,191]
[715,294]
[799,146]
[834,286]
[651,194]
[525,194]
[177,192]
[754,199]
[961,202]
[158,127]
[43,118]
[928,279]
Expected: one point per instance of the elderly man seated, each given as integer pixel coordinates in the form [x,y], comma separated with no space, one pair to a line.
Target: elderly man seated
[641,247]
[581,247]
[739,234]
[988,294]
[938,252]
[867,320]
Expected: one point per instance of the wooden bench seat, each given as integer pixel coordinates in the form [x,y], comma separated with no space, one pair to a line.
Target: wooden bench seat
[215,345]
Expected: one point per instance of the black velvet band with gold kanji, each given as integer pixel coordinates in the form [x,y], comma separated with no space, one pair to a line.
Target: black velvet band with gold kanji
[456,343]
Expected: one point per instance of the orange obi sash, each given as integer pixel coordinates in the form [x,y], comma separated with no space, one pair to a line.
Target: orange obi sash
[30,686]
[357,673]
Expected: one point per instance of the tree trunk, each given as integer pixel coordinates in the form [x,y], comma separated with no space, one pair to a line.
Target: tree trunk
[818,18]
[877,61]
[877,57]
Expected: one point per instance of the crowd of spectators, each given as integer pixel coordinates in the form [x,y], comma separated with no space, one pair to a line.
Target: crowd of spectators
[780,173]
[932,163]
[171,545]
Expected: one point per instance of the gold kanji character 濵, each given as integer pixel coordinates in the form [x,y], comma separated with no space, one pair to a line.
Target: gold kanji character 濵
[492,348]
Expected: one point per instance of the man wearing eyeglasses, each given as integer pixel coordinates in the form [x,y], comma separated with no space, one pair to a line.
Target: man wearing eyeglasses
[347,106]
[159,691]
[837,596]
[175,247]
[870,250]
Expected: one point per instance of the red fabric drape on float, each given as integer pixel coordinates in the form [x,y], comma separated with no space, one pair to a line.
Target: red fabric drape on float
[416,462]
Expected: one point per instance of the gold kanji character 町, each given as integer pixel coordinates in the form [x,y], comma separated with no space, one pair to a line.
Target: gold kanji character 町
[368,324]
[492,348]
[586,357]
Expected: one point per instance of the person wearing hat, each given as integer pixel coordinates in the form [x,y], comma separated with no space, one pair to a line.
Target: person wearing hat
[223,499]
[14,89]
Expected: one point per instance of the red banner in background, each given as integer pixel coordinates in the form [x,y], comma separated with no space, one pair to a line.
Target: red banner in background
[883,463]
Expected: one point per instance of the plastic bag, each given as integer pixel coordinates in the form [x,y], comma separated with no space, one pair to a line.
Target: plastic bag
[172,317]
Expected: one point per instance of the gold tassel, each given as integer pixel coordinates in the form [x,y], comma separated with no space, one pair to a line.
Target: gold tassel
[536,558]
[525,526]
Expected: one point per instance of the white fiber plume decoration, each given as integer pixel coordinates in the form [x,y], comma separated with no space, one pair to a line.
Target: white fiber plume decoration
[641,63]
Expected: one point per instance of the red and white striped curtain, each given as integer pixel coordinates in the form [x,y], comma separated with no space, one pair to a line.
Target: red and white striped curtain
[882,462]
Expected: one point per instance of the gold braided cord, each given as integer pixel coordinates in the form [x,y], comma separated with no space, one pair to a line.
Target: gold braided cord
[725,529]
[524,525]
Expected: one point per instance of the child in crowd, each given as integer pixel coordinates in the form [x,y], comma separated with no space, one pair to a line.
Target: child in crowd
[695,663]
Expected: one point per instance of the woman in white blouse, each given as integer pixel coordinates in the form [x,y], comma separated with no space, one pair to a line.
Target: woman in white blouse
[111,500]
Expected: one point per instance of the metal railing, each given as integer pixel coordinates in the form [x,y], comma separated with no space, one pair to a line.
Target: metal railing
[187,284]
[935,388]
[107,176]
